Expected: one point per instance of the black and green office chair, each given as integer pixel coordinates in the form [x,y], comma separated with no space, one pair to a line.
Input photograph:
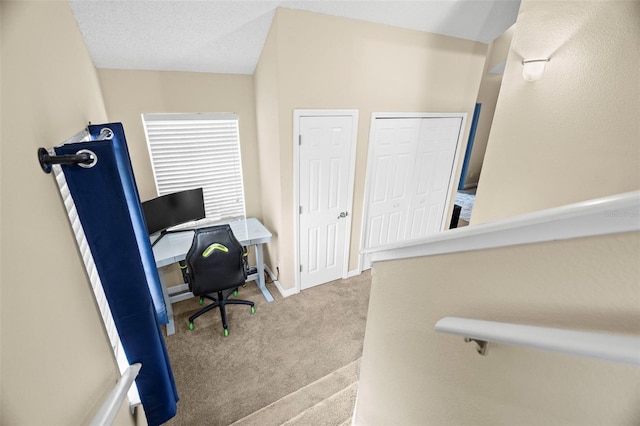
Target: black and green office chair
[216,264]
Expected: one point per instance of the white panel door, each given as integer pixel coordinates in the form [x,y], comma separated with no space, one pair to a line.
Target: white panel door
[393,156]
[324,168]
[432,174]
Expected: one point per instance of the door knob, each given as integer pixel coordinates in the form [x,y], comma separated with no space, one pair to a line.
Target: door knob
[343,214]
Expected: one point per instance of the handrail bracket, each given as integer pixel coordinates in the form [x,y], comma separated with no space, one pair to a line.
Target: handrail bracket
[482,345]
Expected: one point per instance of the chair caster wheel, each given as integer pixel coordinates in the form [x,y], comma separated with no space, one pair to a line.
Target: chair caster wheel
[190,326]
[226,332]
[235,293]
[253,310]
[202,300]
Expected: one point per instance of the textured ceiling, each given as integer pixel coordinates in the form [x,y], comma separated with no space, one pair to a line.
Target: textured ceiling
[228,36]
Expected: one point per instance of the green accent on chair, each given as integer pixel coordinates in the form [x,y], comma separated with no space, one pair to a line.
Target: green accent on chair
[253,310]
[211,248]
[190,326]
[226,332]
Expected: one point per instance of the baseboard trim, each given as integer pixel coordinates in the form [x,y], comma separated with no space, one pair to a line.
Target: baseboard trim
[353,273]
[283,292]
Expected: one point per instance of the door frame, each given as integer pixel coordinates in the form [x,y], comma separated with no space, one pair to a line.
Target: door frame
[297,115]
[469,149]
[455,170]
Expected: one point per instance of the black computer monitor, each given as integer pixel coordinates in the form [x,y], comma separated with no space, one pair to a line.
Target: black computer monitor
[173,209]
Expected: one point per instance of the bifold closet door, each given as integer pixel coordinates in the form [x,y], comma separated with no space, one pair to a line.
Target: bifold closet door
[394,148]
[409,177]
[432,174]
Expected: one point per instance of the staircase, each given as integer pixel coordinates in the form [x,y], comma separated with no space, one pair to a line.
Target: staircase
[329,401]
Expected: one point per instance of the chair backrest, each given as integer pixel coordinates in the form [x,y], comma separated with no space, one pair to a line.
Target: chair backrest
[215,261]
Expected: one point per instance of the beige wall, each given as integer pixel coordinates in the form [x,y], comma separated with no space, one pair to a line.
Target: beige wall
[1,180]
[574,135]
[128,94]
[268,129]
[488,97]
[57,365]
[571,136]
[500,49]
[411,375]
[326,62]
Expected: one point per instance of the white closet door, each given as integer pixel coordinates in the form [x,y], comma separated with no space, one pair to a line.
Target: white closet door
[409,177]
[393,154]
[432,174]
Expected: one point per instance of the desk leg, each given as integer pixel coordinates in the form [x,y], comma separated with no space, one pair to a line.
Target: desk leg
[171,328]
[260,267]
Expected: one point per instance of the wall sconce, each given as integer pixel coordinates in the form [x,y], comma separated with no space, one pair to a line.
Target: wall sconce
[532,69]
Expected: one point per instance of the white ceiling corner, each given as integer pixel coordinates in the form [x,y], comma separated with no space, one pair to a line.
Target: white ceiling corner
[222,36]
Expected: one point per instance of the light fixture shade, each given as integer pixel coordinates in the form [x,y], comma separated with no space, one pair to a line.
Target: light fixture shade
[532,69]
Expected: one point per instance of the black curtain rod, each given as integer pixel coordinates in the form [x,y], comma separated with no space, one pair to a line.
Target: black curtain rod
[83,157]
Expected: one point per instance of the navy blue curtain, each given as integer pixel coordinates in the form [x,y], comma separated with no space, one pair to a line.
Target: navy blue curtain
[108,206]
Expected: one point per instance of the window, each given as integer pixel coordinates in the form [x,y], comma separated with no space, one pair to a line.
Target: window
[198,150]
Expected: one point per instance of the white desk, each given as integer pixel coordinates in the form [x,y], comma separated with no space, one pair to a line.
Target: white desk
[173,247]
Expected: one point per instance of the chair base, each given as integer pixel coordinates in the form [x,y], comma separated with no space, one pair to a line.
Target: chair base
[220,302]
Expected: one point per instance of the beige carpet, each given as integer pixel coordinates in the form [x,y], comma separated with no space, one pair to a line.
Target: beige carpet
[329,401]
[286,345]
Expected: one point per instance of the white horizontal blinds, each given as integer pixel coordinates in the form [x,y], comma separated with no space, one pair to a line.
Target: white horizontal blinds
[198,150]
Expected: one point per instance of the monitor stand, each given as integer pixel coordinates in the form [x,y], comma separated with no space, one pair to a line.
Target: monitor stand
[165,232]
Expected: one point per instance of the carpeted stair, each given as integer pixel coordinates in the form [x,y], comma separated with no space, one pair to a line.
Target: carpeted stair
[329,401]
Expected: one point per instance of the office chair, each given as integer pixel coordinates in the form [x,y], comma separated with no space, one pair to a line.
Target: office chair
[216,264]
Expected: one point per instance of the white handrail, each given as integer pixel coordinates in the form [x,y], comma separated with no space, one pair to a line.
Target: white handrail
[608,347]
[600,216]
[107,413]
